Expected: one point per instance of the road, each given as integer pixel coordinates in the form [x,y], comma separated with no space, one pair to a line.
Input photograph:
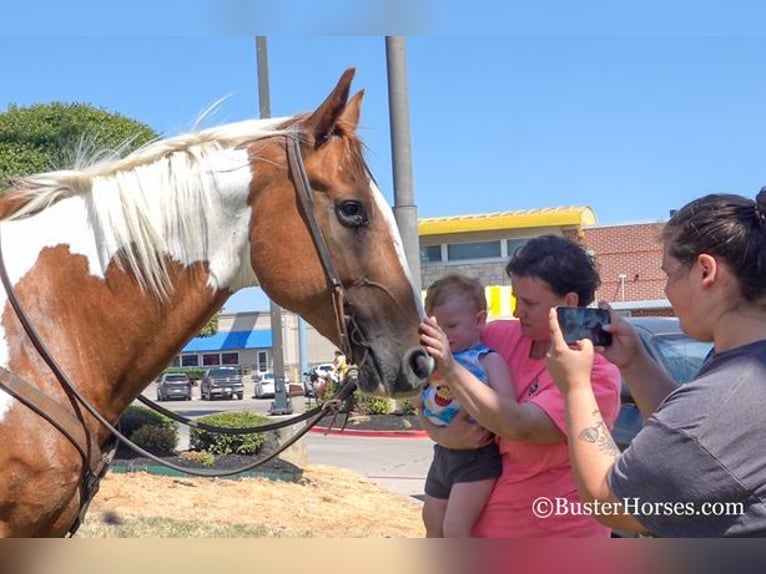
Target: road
[398,464]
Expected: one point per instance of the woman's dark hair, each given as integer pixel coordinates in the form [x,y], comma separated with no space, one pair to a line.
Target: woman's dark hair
[561,263]
[729,227]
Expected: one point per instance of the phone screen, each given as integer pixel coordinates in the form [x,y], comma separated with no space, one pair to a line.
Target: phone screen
[584,323]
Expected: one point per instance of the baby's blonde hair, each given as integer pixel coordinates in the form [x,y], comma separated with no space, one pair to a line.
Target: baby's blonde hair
[455,284]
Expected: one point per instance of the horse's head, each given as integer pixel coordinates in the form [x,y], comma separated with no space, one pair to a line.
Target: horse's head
[376,299]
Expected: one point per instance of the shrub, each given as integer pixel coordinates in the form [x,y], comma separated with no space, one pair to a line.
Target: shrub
[220,443]
[160,440]
[371,405]
[327,390]
[136,417]
[201,456]
[405,407]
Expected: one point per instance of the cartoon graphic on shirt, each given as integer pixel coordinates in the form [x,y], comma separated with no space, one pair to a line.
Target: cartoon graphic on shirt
[439,403]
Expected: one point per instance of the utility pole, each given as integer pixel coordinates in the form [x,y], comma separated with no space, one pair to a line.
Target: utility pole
[405,209]
[282,405]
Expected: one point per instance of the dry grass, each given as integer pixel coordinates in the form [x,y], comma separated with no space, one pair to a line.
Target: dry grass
[326,502]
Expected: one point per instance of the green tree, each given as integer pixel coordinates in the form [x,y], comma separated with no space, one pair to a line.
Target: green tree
[45,137]
[212,326]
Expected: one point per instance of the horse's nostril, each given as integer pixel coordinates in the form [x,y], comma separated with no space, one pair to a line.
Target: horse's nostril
[422,364]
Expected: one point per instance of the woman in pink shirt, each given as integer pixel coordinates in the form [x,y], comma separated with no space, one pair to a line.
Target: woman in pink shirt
[536,494]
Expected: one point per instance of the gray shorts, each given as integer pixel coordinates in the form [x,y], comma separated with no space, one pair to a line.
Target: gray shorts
[451,466]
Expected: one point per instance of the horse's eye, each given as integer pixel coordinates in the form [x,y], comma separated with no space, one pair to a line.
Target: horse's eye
[351,214]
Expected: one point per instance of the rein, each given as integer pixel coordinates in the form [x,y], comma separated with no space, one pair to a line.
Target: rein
[74,427]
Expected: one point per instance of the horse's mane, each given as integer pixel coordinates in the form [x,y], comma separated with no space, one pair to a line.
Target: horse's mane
[124,200]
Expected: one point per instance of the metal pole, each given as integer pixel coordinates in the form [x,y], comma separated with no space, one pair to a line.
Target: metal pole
[405,209]
[303,346]
[282,405]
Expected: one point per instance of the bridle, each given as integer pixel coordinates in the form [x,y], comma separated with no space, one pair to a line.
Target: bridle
[346,325]
[305,197]
[74,427]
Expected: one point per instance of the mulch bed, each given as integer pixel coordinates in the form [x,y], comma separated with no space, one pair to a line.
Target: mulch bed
[126,459]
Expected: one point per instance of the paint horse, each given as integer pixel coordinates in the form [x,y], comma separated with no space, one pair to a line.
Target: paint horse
[113,267]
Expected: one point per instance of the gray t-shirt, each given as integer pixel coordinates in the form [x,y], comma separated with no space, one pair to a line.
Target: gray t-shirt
[706,443]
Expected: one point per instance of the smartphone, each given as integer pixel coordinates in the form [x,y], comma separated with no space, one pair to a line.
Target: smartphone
[584,323]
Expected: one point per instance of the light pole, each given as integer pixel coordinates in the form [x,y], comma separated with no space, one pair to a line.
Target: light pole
[405,209]
[282,405]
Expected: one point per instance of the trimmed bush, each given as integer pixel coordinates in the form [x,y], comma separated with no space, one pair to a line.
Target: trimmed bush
[327,390]
[370,405]
[201,456]
[219,443]
[405,407]
[156,439]
[136,416]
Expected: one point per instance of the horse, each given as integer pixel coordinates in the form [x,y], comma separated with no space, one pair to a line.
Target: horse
[110,268]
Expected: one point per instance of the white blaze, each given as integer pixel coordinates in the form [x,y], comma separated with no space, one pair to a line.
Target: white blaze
[385,210]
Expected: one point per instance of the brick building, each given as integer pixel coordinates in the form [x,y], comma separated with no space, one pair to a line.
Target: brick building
[629,258]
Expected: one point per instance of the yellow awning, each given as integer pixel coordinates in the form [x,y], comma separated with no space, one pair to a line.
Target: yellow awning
[576,216]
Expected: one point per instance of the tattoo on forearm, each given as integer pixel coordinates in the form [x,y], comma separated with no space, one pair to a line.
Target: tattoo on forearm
[600,435]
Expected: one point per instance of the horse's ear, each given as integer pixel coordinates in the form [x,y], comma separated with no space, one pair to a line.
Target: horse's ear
[322,122]
[349,117]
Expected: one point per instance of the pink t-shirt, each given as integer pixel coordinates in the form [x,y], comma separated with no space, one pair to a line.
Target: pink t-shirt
[534,470]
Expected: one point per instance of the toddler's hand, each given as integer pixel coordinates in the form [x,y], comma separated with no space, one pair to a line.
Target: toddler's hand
[437,345]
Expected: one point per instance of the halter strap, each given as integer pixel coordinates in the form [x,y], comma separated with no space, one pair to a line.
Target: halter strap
[305,198]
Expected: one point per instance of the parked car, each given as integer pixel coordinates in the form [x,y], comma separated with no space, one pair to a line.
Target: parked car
[174,386]
[677,353]
[223,383]
[265,386]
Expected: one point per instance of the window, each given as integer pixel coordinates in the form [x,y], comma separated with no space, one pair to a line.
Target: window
[263,361]
[209,359]
[230,358]
[189,361]
[431,253]
[474,250]
[515,244]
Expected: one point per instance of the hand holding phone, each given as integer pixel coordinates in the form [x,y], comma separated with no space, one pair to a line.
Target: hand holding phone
[584,323]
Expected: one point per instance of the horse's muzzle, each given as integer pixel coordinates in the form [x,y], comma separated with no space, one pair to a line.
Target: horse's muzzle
[417,367]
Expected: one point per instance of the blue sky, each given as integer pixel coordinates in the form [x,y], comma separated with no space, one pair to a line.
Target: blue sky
[632,113]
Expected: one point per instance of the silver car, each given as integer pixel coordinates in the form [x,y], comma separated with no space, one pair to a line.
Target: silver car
[677,353]
[174,386]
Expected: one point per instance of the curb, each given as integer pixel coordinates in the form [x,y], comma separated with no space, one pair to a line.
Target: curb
[372,433]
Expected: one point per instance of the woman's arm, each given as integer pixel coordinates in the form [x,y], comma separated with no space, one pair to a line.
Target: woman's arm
[591,448]
[502,415]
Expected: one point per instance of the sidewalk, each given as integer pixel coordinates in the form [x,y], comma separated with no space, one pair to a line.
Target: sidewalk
[371,433]
[398,464]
